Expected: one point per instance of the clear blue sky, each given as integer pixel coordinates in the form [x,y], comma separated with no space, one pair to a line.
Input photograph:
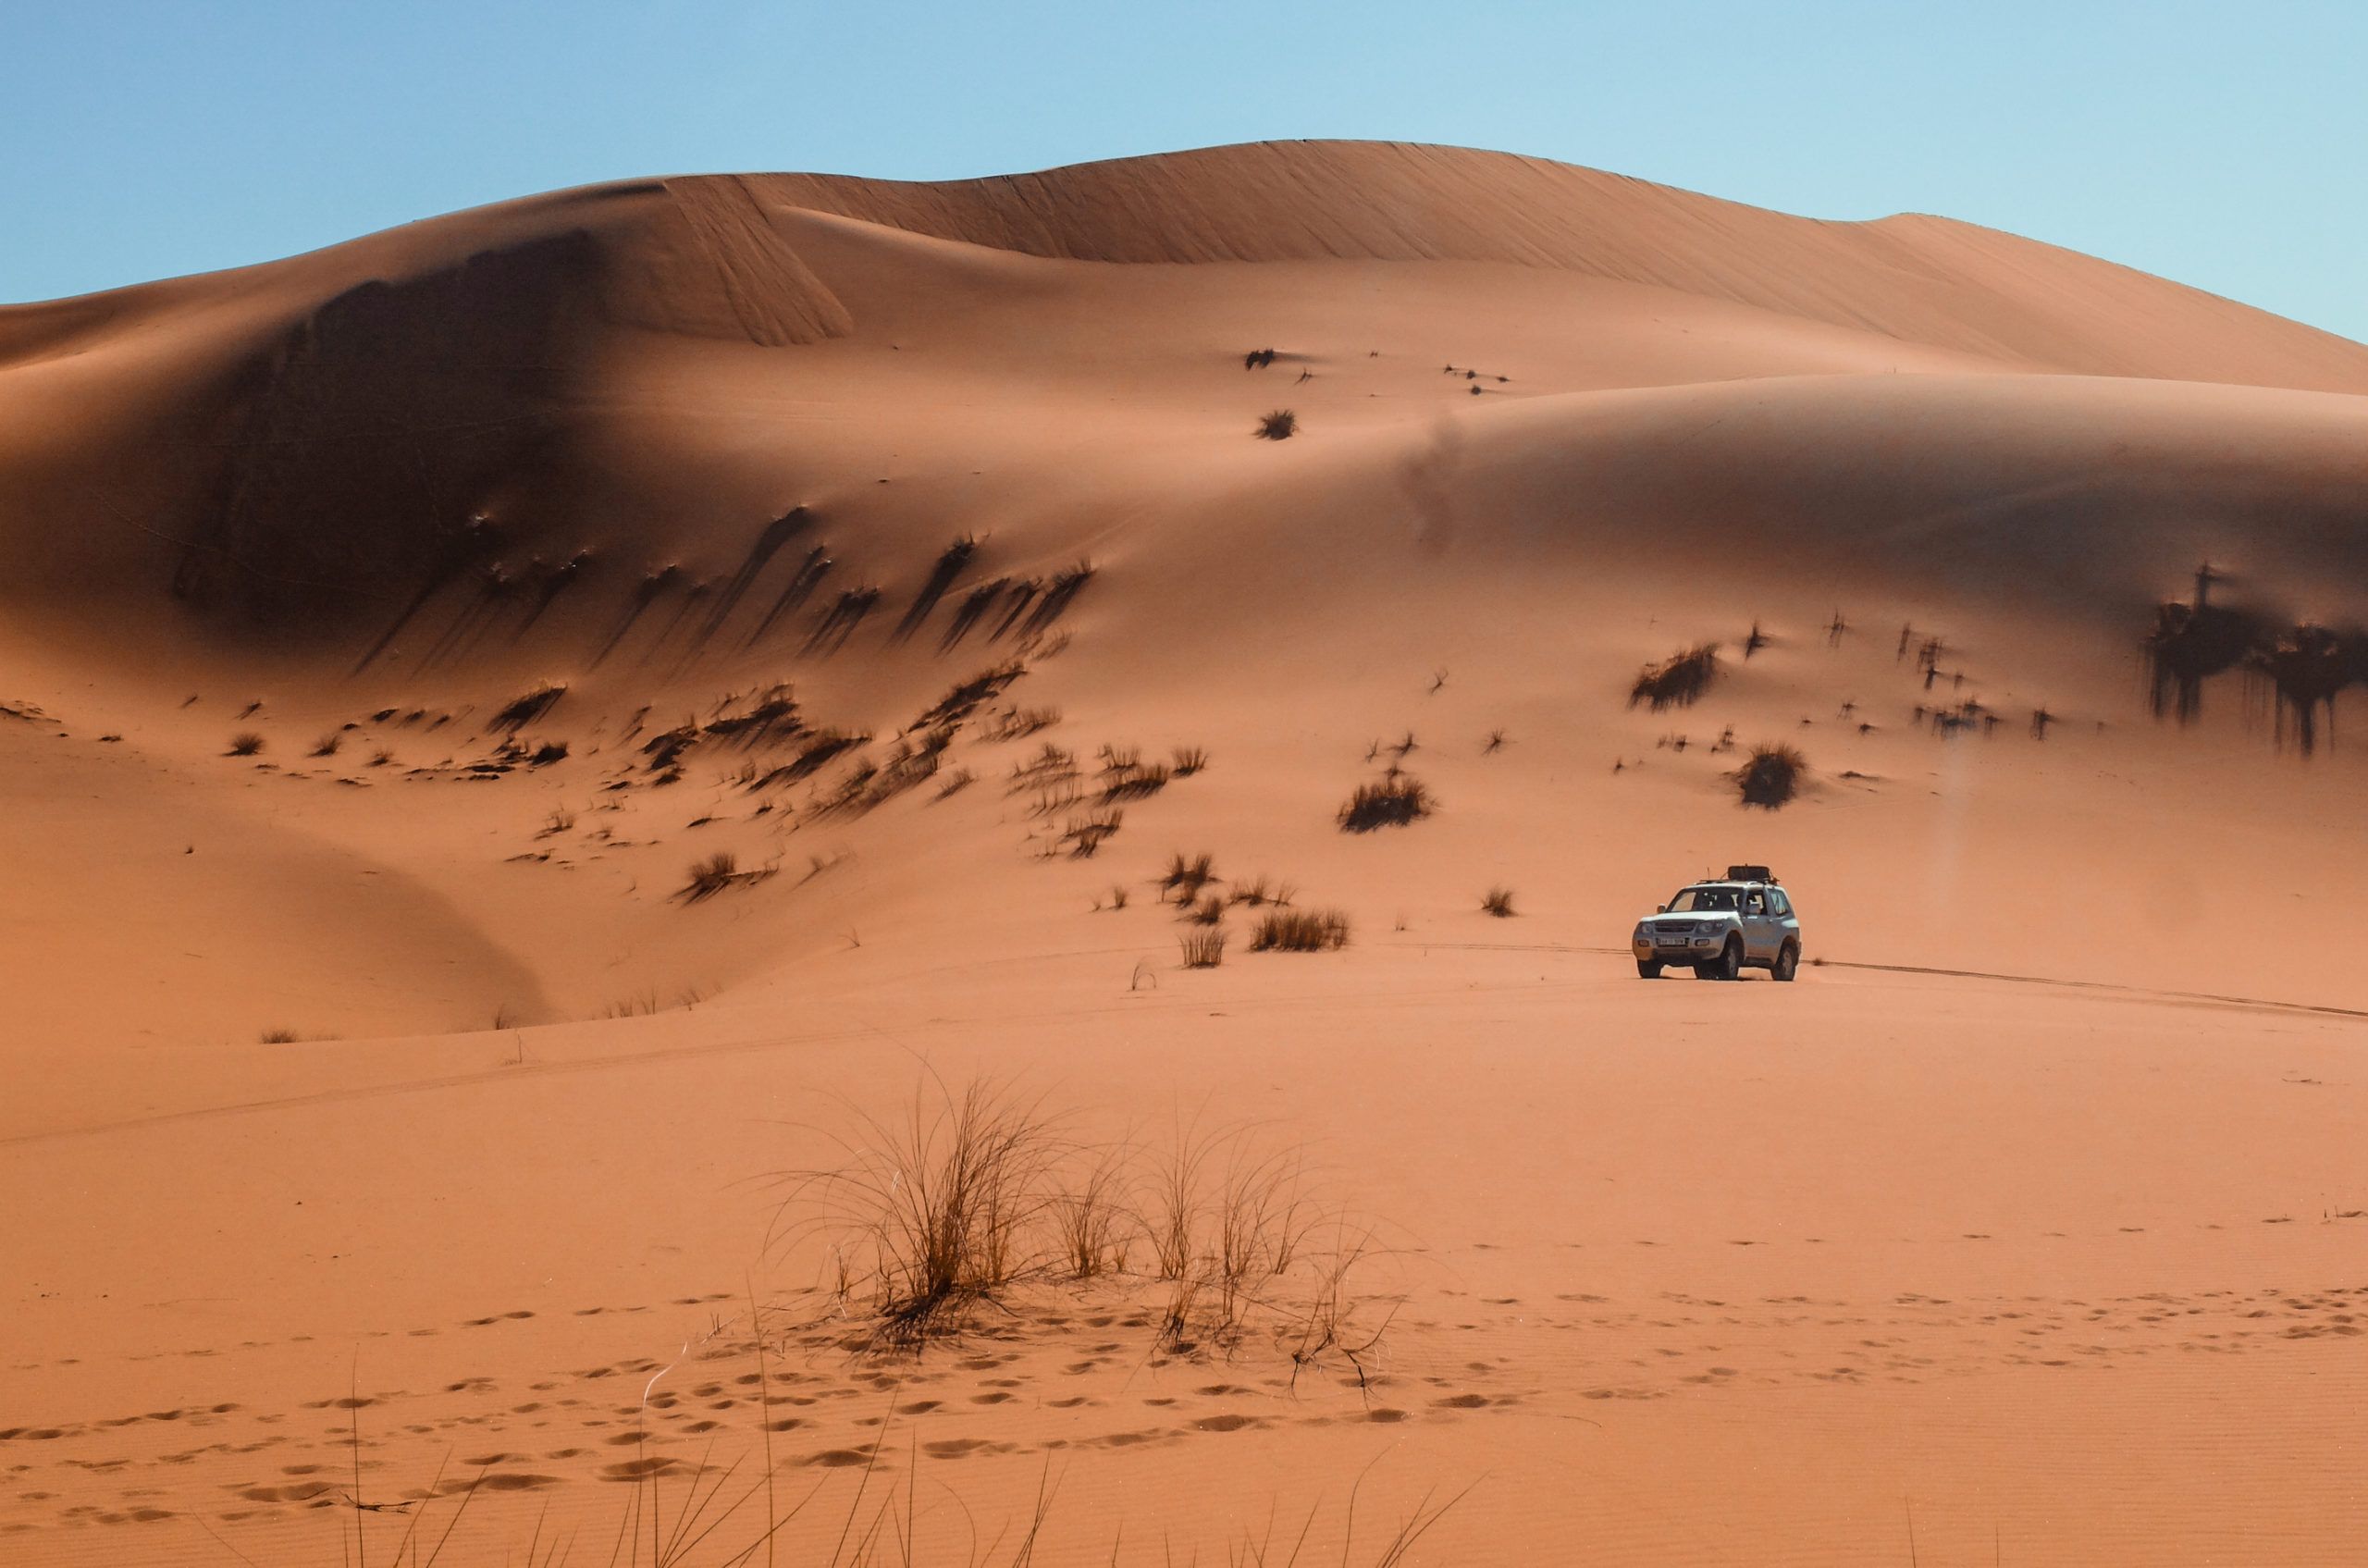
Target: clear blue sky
[2222,144]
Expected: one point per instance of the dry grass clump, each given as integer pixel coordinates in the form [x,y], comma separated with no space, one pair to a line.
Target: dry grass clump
[1204,949]
[522,711]
[1280,425]
[327,745]
[1186,760]
[937,1211]
[1771,776]
[1209,911]
[381,756]
[1300,931]
[717,872]
[278,1037]
[1393,800]
[1678,681]
[1186,878]
[1499,902]
[1259,890]
[1085,835]
[246,743]
[1014,724]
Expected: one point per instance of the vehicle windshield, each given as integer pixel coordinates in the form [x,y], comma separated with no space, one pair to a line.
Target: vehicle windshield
[1705,901]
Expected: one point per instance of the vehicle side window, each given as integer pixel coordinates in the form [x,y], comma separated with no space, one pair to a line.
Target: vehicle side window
[1753,905]
[1778,904]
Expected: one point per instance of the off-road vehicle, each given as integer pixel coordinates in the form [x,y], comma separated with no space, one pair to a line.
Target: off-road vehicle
[1719,929]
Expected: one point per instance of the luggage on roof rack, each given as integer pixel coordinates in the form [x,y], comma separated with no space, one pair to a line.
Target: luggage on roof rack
[1750,874]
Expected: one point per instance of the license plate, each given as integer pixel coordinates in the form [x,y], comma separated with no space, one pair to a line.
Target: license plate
[1672,941]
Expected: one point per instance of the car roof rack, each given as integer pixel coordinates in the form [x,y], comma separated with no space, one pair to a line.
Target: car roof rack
[1750,874]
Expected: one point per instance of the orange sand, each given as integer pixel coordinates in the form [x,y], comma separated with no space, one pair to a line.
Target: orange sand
[2028,1220]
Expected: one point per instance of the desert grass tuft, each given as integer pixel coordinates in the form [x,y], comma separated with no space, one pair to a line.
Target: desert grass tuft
[1185,878]
[1771,776]
[1204,949]
[1393,800]
[1678,681]
[1499,902]
[938,1211]
[1280,425]
[716,872]
[327,745]
[1186,760]
[1300,931]
[246,743]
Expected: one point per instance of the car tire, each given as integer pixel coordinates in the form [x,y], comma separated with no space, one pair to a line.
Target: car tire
[1788,962]
[1649,968]
[1730,964]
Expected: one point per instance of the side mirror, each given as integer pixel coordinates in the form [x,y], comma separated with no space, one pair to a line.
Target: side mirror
[1660,908]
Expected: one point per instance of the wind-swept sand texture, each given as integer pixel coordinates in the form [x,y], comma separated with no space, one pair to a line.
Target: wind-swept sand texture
[392,1093]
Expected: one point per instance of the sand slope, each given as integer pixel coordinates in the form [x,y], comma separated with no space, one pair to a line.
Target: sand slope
[550,549]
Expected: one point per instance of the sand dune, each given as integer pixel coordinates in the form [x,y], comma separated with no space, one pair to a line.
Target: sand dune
[912,546]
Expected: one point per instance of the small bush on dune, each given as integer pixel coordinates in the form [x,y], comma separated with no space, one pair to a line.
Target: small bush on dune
[1279,426]
[246,743]
[1204,949]
[1499,902]
[937,1211]
[1771,776]
[1300,931]
[1678,681]
[1186,878]
[1394,800]
[713,875]
[277,1037]
[327,745]
[1189,759]
[523,710]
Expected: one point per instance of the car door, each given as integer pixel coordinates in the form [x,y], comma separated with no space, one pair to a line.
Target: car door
[1759,942]
[1783,924]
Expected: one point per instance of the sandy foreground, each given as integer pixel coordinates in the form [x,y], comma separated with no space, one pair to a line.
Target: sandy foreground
[385,1121]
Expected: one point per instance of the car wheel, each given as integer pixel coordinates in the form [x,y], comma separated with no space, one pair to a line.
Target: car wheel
[1730,964]
[1649,968]
[1788,962]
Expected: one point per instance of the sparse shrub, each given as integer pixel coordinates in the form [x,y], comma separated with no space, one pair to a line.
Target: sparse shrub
[380,756]
[1771,776]
[713,874]
[955,782]
[1085,835]
[1188,759]
[559,820]
[327,745]
[1499,902]
[545,754]
[1678,681]
[1278,425]
[1117,898]
[1300,931]
[1013,723]
[1393,800]
[1259,891]
[1186,878]
[1495,743]
[1209,911]
[520,711]
[246,743]
[938,1211]
[1086,1215]
[277,1037]
[1204,949]
[1133,781]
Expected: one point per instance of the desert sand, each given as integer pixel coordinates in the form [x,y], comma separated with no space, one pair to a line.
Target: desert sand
[388,636]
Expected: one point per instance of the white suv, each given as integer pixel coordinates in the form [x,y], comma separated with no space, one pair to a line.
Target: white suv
[1719,929]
